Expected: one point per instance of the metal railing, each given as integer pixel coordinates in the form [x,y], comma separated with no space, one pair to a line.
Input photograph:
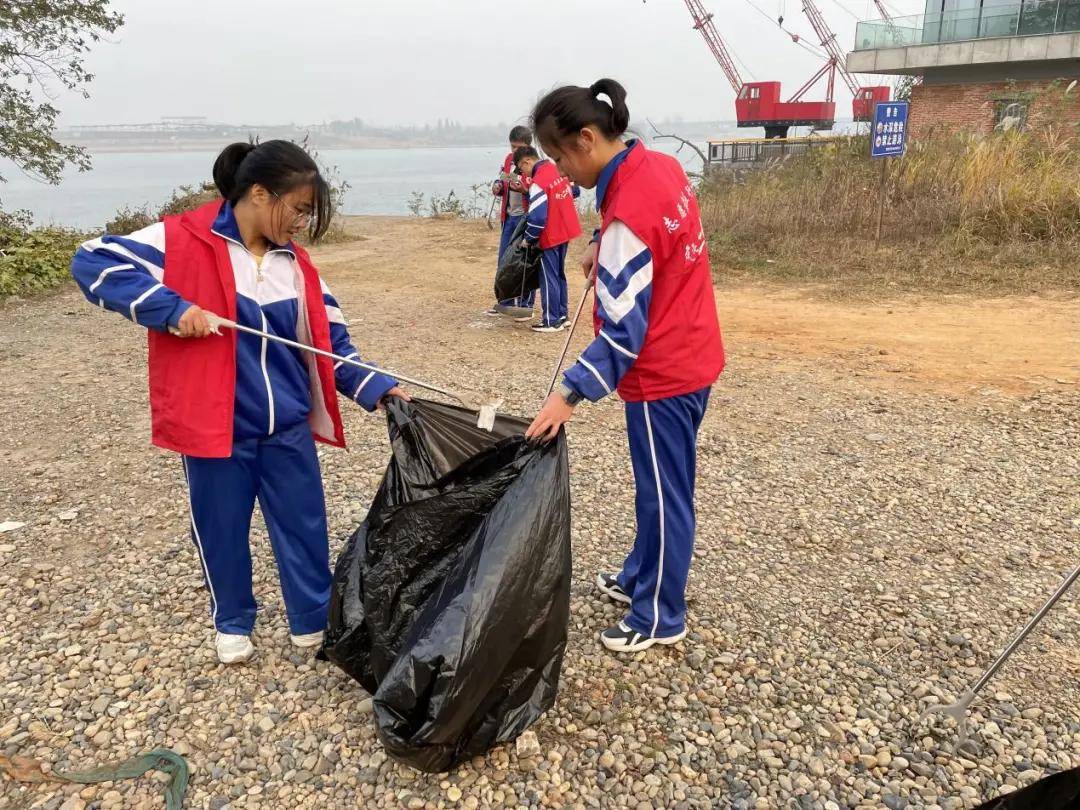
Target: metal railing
[1026,18]
[759,151]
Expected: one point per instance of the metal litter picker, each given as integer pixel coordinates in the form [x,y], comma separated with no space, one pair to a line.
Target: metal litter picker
[958,710]
[485,412]
[569,337]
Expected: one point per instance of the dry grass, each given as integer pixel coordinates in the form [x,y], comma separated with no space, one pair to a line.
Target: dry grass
[991,215]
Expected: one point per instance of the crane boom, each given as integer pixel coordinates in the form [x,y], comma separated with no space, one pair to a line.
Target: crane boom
[828,42]
[886,17]
[703,22]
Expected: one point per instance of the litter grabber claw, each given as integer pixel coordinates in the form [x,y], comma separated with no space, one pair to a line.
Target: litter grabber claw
[958,710]
[485,412]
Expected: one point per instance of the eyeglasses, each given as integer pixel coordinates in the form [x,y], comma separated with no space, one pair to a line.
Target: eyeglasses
[300,217]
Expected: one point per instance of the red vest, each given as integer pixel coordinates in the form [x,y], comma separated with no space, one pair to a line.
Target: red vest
[193,380]
[562,221]
[683,351]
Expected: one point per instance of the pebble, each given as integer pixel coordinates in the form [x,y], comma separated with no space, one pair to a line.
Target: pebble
[527,745]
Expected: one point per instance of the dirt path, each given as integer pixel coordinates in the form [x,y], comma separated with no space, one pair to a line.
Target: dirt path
[1016,345]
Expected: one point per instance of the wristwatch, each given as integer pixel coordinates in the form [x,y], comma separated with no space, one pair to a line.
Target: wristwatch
[571,396]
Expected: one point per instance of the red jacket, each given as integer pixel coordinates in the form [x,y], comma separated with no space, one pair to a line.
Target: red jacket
[193,380]
[562,217]
[683,351]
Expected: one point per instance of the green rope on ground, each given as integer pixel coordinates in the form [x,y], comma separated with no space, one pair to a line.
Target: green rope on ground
[160,759]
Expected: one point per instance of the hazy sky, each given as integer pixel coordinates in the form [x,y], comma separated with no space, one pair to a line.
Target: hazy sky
[414,61]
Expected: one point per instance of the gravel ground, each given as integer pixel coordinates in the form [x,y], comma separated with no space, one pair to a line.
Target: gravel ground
[864,550]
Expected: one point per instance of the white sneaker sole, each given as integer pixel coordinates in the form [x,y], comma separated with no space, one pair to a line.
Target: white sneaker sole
[241,657]
[306,642]
[644,644]
[610,593]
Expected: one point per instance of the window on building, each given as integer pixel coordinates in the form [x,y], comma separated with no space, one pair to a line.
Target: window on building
[951,20]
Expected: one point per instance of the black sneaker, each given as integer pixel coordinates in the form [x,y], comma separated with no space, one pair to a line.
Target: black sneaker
[623,638]
[493,312]
[555,327]
[608,585]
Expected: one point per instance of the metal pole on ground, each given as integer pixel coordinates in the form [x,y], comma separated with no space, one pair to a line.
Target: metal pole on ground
[958,710]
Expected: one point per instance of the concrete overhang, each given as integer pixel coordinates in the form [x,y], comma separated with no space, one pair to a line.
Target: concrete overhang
[1000,52]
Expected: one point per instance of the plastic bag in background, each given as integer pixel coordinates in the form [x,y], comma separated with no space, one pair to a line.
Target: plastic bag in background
[519,269]
[451,601]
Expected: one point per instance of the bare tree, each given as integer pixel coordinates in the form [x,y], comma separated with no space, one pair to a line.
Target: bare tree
[683,143]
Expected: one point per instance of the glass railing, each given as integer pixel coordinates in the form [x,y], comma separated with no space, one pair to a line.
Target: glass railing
[1018,19]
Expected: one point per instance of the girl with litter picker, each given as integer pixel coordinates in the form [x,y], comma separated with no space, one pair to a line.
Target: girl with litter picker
[243,411]
[551,221]
[657,342]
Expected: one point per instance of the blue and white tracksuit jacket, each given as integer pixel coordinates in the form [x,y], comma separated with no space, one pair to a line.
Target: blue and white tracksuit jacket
[274,459]
[662,433]
[553,288]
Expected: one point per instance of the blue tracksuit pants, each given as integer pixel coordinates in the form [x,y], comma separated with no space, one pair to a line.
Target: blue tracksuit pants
[282,472]
[553,289]
[663,450]
[504,242]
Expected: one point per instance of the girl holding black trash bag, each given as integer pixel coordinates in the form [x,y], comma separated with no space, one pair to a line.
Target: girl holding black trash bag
[243,411]
[657,342]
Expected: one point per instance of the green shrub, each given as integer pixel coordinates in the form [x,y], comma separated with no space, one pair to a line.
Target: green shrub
[188,198]
[33,259]
[129,219]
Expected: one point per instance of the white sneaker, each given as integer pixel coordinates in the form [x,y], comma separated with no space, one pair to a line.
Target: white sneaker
[234,649]
[308,640]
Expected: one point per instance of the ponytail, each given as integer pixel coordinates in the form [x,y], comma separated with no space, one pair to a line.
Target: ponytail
[227,167]
[620,114]
[565,111]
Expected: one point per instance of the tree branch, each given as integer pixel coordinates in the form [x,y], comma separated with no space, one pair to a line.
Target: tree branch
[661,135]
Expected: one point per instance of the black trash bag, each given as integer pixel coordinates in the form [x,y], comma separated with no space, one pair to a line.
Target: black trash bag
[1057,792]
[451,601]
[519,268]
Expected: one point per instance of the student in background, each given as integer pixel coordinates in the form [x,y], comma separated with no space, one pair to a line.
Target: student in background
[551,222]
[510,187]
[657,343]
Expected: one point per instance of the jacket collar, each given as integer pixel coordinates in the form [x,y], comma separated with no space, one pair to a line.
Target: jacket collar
[631,154]
[225,226]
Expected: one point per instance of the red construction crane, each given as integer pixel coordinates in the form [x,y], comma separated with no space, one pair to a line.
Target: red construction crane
[864,97]
[758,104]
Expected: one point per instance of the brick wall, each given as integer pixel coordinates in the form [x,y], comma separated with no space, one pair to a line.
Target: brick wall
[940,108]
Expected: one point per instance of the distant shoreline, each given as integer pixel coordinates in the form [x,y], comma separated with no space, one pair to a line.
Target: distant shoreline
[216,146]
